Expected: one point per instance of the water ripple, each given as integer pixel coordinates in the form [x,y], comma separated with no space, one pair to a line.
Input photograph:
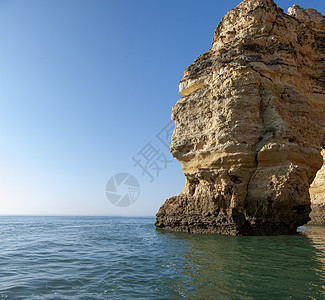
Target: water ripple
[122,258]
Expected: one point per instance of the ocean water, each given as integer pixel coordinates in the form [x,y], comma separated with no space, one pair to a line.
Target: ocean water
[127,258]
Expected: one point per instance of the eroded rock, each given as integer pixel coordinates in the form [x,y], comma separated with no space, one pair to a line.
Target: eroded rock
[250,126]
[317,197]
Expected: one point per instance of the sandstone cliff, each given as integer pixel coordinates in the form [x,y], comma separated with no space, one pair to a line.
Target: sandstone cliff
[317,195]
[251,124]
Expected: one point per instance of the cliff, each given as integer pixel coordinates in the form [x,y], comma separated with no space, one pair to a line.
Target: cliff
[250,126]
[317,197]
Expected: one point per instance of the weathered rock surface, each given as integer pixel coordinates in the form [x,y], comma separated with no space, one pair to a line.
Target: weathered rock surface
[317,197]
[251,124]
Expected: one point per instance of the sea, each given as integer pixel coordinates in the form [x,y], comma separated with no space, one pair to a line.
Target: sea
[128,258]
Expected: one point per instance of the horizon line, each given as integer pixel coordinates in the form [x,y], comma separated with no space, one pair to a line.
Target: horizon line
[81,215]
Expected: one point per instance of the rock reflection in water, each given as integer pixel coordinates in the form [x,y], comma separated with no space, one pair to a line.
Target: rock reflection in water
[251,267]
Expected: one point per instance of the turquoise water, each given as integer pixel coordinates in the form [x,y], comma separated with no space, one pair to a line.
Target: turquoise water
[127,258]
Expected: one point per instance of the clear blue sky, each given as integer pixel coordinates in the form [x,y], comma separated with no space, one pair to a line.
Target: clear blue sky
[84,86]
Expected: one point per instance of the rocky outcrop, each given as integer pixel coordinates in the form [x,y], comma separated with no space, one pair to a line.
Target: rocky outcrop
[251,124]
[317,197]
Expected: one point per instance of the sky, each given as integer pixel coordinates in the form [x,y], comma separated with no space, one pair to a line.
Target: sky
[85,88]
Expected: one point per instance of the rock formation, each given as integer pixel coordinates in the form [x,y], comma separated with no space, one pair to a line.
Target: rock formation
[317,195]
[250,126]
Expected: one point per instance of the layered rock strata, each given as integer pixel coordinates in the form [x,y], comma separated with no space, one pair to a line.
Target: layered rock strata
[251,124]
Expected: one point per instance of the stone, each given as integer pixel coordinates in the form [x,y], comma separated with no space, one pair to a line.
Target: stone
[317,197]
[250,126]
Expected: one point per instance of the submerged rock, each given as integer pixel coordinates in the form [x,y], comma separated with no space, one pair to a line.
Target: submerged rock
[251,124]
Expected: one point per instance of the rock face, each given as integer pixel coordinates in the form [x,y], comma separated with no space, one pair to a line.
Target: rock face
[251,124]
[317,197]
